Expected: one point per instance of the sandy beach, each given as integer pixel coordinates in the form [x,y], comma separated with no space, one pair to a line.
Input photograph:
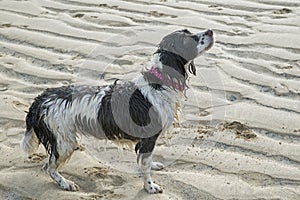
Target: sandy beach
[239,131]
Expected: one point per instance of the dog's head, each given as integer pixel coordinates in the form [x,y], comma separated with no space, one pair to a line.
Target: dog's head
[176,53]
[186,44]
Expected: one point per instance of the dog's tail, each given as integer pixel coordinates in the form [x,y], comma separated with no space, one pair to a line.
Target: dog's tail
[30,143]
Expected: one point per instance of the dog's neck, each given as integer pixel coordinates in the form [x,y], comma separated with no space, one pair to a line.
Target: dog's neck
[168,70]
[167,81]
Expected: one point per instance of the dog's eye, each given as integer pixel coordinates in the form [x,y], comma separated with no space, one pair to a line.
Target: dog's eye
[196,38]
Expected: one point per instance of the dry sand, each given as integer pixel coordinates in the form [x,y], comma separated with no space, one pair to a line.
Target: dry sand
[239,136]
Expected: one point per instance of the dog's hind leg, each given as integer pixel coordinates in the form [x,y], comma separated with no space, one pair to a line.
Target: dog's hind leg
[144,150]
[64,153]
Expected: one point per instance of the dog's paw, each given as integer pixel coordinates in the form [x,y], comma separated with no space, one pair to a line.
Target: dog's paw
[70,186]
[157,166]
[152,188]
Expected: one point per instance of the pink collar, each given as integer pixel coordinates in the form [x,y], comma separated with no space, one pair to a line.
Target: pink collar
[166,80]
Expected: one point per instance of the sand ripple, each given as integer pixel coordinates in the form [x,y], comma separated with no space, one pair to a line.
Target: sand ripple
[250,78]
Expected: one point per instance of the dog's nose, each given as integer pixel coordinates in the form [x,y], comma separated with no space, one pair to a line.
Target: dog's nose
[209,32]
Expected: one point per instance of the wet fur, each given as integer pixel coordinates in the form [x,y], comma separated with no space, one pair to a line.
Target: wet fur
[138,111]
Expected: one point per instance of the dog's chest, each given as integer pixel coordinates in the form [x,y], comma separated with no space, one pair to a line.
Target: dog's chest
[164,102]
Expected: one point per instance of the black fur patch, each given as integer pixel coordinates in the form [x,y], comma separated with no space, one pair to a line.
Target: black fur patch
[125,113]
[146,145]
[192,68]
[185,31]
[173,69]
[36,122]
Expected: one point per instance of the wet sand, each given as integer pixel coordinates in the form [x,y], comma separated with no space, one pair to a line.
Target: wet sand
[239,134]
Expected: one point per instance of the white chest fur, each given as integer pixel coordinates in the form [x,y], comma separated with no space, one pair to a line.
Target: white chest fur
[163,101]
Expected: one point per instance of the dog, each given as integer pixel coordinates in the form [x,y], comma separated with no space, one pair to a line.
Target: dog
[138,110]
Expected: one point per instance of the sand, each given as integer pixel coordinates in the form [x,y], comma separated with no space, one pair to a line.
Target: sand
[239,133]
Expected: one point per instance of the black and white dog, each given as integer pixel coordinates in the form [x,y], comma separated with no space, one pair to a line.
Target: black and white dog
[137,111]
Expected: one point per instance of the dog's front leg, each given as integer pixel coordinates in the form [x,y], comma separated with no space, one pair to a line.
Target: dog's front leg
[144,158]
[149,185]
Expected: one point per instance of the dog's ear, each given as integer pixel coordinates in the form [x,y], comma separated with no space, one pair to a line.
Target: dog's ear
[185,31]
[192,68]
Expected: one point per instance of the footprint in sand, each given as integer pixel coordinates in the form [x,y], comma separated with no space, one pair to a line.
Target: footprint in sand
[36,158]
[103,173]
[282,11]
[241,130]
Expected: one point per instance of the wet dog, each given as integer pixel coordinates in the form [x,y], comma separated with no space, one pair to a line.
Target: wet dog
[137,111]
